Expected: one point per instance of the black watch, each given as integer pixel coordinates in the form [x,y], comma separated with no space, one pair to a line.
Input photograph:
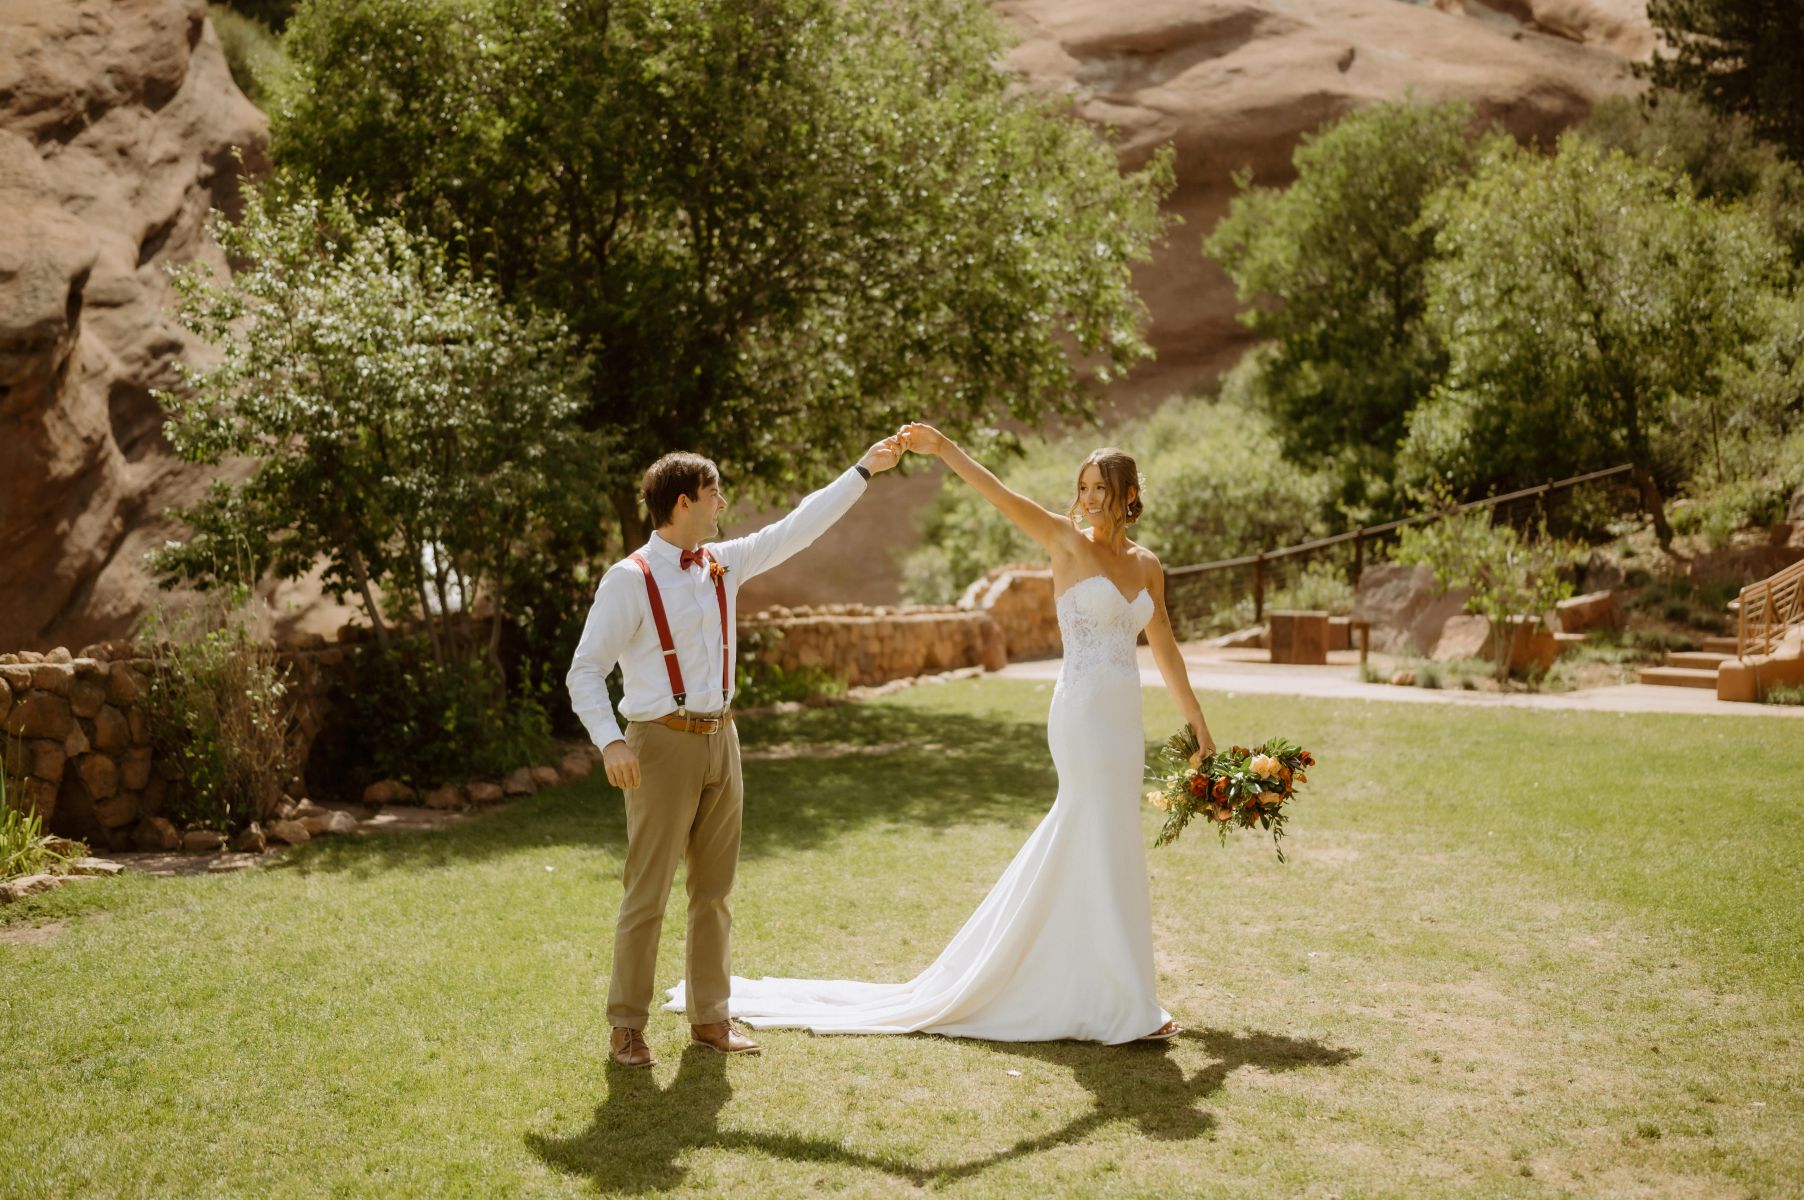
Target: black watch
[862,470]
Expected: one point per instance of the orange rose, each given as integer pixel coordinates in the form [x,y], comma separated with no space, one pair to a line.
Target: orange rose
[1221,789]
[1199,785]
[1222,813]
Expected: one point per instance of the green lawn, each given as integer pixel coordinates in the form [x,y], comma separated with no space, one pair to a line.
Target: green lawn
[1515,953]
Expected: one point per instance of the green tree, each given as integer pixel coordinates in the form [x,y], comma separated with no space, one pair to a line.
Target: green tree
[405,424]
[1592,308]
[1333,271]
[1720,154]
[779,226]
[1741,57]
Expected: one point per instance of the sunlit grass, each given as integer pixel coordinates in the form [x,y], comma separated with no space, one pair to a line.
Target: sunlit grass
[1515,953]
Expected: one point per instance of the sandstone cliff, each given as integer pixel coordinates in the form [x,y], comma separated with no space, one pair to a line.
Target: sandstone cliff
[118,125]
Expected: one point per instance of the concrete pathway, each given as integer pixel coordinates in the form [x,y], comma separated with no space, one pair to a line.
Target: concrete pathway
[1214,669]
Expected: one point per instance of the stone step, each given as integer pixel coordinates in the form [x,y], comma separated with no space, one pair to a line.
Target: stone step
[1679,677]
[1720,645]
[1702,660]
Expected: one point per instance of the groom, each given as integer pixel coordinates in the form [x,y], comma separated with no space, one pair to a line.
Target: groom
[665,615]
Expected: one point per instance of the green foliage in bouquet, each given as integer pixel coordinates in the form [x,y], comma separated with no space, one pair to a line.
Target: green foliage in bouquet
[1234,788]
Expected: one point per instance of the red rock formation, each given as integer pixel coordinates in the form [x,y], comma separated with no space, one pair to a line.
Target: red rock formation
[118,124]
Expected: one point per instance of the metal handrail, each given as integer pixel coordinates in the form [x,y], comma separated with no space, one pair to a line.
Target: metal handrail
[1767,610]
[1366,531]
[1359,536]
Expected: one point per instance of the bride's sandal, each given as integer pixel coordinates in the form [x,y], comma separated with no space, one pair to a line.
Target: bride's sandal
[1163,1033]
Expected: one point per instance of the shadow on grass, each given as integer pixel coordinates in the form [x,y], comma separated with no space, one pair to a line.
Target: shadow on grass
[640,1133]
[944,768]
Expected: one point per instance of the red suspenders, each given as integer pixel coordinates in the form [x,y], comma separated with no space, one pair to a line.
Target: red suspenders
[668,645]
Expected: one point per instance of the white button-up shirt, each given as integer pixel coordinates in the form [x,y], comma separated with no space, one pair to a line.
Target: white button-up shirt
[620,628]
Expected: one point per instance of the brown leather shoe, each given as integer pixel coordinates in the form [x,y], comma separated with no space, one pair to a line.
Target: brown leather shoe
[629,1048]
[723,1037]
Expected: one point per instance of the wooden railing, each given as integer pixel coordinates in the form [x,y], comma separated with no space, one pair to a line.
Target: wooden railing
[1193,579]
[1768,609]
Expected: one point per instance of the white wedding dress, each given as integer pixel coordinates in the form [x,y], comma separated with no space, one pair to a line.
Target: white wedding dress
[1062,946]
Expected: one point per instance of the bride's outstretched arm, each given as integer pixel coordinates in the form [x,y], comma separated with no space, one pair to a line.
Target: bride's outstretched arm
[1046,528]
[1164,645]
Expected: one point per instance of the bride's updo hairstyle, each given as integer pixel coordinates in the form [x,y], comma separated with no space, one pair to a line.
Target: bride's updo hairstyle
[1119,475]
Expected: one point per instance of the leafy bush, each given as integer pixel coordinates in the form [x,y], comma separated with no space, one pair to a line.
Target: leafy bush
[1213,482]
[272,13]
[1686,603]
[412,719]
[253,53]
[1789,694]
[1321,586]
[1651,645]
[218,708]
[1507,573]
[758,682]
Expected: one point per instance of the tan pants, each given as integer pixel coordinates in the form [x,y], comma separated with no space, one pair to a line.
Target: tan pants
[687,808]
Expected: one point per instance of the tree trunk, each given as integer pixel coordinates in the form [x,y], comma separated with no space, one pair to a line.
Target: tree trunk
[1655,506]
[634,528]
[369,600]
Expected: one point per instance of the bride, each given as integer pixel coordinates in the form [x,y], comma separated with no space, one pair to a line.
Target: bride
[1062,946]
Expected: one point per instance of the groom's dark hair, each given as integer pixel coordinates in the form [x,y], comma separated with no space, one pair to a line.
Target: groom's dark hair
[678,474]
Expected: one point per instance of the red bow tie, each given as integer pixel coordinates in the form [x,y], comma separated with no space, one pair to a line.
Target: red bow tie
[694,558]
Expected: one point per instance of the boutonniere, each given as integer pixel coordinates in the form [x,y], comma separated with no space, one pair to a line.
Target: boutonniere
[717,570]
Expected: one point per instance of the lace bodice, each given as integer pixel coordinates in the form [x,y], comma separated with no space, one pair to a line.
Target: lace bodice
[1100,626]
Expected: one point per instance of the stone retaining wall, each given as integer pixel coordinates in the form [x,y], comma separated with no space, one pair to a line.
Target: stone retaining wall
[1019,599]
[867,646]
[77,726]
[1007,616]
[78,730]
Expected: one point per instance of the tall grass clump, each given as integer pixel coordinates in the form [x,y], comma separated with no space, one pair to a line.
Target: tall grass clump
[25,849]
[219,709]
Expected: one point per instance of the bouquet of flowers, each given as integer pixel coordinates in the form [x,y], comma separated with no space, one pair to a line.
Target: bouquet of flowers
[1233,788]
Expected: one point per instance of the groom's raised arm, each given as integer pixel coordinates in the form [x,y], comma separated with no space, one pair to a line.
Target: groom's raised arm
[759,552]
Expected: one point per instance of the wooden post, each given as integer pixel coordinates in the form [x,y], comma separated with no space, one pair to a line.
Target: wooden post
[1359,554]
[1259,586]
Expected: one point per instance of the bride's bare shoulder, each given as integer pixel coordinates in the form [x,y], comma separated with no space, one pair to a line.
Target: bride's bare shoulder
[1145,559]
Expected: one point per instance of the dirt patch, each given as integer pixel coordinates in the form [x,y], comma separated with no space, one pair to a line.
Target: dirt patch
[32,935]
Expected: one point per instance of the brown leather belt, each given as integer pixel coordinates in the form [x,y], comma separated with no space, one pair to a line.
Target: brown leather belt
[703,724]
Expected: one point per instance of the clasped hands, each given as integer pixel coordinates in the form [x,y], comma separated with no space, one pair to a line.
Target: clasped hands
[916,437]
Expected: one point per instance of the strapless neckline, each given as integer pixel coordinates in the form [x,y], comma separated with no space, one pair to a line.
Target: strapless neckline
[1130,601]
